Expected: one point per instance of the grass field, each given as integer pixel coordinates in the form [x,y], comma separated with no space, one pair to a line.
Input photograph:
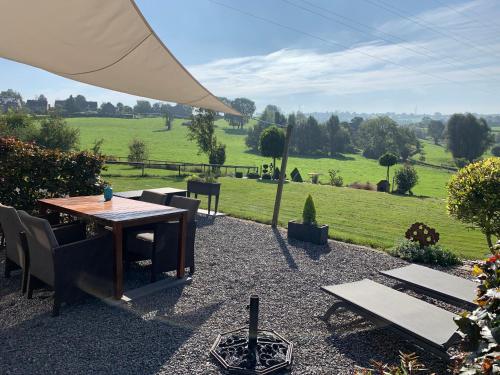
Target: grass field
[174,146]
[362,217]
[358,216]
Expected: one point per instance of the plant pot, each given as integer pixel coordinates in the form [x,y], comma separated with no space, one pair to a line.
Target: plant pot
[203,188]
[317,234]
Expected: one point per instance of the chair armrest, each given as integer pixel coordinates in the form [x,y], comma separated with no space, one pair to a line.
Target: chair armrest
[67,233]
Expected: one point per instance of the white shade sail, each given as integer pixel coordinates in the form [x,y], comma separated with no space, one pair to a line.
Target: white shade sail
[105,43]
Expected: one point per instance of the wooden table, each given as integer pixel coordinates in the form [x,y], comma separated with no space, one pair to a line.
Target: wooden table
[136,194]
[120,213]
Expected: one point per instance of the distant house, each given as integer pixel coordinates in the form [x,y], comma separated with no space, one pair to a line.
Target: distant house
[91,106]
[38,106]
[10,103]
[59,104]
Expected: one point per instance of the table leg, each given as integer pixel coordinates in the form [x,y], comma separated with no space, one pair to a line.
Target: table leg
[182,245]
[118,249]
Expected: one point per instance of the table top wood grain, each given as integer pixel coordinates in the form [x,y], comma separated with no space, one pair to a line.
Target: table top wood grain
[116,210]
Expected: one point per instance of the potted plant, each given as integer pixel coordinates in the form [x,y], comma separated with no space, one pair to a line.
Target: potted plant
[204,185]
[308,230]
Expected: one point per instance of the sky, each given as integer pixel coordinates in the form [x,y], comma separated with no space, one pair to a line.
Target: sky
[377,56]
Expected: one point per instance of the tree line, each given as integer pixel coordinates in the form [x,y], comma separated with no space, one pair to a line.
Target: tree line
[373,137]
[466,136]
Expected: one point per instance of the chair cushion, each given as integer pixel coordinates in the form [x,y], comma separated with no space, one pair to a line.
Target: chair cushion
[148,236]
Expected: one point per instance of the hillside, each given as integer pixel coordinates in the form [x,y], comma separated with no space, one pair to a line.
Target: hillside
[174,146]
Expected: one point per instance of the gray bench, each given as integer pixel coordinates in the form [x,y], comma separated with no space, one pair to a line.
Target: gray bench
[420,323]
[442,285]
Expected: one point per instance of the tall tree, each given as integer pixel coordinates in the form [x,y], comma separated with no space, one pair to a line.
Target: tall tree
[271,115]
[272,143]
[246,107]
[107,109]
[332,127]
[80,103]
[202,131]
[467,136]
[70,105]
[142,107]
[119,108]
[435,129]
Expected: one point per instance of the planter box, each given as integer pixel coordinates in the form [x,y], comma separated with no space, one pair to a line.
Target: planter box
[308,233]
[203,188]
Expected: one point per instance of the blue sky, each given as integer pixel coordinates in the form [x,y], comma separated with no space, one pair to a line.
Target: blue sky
[320,55]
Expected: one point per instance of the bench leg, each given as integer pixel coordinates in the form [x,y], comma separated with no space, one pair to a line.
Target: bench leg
[331,310]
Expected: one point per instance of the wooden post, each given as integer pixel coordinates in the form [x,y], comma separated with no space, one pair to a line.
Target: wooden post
[281,181]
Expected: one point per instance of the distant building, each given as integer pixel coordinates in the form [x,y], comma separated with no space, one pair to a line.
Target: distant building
[10,103]
[59,104]
[91,106]
[38,106]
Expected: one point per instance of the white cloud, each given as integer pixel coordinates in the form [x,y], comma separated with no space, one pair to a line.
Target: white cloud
[428,60]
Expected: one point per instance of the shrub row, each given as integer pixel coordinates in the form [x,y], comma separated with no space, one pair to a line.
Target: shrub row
[432,254]
[29,172]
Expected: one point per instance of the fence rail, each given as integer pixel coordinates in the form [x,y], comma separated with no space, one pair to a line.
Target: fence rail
[441,166]
[181,167]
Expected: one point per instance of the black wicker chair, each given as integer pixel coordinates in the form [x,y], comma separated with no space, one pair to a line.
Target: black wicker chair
[159,243]
[83,265]
[15,256]
[153,197]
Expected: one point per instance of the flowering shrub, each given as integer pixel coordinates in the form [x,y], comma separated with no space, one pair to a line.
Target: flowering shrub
[29,172]
[481,328]
[431,254]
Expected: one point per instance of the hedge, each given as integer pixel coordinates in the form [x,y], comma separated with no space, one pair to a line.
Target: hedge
[29,172]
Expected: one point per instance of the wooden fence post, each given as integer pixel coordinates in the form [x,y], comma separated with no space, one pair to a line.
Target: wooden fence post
[279,191]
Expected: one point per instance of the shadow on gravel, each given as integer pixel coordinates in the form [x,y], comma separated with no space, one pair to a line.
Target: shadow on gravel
[97,338]
[205,220]
[313,251]
[362,342]
[284,249]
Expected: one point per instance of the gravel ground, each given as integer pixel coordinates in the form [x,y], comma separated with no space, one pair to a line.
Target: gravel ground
[171,331]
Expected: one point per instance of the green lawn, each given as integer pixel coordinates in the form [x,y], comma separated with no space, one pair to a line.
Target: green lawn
[437,154]
[174,146]
[358,216]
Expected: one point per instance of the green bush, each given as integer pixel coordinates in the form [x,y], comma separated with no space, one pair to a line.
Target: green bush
[474,196]
[29,172]
[238,174]
[433,254]
[406,178]
[18,125]
[137,150]
[335,178]
[266,176]
[296,177]
[309,212]
[253,175]
[56,134]
[276,174]
[218,155]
